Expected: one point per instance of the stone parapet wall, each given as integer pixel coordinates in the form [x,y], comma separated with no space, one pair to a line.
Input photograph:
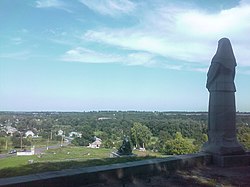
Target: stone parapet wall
[122,171]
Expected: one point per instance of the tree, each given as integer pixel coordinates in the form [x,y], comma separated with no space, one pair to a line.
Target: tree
[200,139]
[2,144]
[140,135]
[3,134]
[178,145]
[80,142]
[107,143]
[243,136]
[86,138]
[153,144]
[16,142]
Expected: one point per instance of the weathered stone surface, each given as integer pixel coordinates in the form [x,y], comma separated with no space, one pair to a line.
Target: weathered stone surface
[231,160]
[222,111]
[97,174]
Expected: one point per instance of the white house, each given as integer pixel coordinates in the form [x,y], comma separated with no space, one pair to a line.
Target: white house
[75,134]
[10,130]
[29,133]
[96,144]
[60,133]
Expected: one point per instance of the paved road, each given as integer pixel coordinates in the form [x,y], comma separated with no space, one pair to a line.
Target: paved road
[6,155]
[42,149]
[37,150]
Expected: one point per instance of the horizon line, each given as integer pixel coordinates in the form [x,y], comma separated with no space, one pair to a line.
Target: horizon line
[100,111]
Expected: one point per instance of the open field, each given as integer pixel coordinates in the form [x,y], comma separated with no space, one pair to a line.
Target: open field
[37,142]
[64,158]
[41,142]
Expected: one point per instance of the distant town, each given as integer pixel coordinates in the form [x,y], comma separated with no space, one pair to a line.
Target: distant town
[21,130]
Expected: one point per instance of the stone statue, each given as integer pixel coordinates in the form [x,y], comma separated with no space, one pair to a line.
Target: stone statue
[125,148]
[222,112]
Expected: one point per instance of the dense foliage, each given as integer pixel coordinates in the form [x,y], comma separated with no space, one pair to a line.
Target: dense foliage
[166,132]
[178,145]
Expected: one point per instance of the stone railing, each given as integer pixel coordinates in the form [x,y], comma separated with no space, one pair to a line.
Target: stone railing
[121,171]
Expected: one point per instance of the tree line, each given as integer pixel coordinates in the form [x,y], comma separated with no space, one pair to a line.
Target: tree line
[166,132]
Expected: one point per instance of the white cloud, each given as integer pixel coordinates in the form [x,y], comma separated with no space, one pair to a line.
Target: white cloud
[84,55]
[48,3]
[139,58]
[147,42]
[182,34]
[17,40]
[110,7]
[80,54]
[52,4]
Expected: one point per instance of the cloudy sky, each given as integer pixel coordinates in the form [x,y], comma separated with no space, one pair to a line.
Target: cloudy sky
[81,55]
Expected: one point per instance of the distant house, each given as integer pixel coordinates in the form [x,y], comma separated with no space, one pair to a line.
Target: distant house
[96,144]
[29,133]
[10,130]
[60,133]
[75,134]
[103,118]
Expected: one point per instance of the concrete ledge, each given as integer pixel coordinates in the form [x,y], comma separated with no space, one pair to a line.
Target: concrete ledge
[97,174]
[232,160]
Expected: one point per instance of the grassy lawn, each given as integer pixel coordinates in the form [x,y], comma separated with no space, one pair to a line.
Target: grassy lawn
[41,142]
[64,158]
[37,142]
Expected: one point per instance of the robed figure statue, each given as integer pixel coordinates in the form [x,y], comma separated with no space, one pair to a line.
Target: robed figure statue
[222,112]
[125,148]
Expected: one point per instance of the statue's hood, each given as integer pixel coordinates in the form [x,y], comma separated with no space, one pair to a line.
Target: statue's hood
[224,54]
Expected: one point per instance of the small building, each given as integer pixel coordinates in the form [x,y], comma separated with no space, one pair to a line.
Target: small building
[10,130]
[60,133]
[26,153]
[96,144]
[29,133]
[75,134]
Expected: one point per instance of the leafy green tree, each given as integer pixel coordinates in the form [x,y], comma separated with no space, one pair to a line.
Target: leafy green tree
[178,145]
[153,144]
[16,142]
[107,143]
[84,140]
[245,140]
[164,136]
[200,139]
[244,136]
[81,141]
[140,135]
[2,144]
[3,134]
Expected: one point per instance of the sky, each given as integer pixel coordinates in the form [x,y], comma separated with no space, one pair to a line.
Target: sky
[88,55]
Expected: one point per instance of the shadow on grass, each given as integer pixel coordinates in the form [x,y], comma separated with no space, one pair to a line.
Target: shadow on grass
[39,167]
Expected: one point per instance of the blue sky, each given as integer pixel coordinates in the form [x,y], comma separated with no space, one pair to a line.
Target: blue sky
[84,55]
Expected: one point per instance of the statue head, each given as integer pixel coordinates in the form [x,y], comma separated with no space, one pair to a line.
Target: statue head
[224,54]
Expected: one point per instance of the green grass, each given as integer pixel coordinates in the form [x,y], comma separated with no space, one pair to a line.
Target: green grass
[14,161]
[63,158]
[74,153]
[37,142]
[41,142]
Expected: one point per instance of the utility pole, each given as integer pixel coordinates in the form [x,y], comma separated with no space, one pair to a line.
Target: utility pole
[21,141]
[6,143]
[62,140]
[48,143]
